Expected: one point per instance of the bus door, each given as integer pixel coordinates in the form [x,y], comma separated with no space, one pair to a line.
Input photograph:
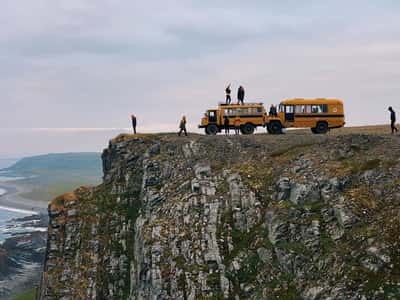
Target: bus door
[289,113]
[212,116]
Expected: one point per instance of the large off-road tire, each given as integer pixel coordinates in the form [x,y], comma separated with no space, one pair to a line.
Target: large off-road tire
[247,129]
[322,127]
[211,129]
[268,129]
[275,127]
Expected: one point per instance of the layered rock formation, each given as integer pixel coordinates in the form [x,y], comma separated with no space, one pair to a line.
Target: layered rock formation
[259,217]
[22,255]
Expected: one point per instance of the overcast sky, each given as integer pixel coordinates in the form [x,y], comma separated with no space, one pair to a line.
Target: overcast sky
[69,64]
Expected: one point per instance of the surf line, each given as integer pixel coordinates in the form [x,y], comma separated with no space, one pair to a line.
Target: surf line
[17,210]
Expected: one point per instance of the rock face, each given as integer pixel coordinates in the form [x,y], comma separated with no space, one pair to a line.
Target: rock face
[260,217]
[22,255]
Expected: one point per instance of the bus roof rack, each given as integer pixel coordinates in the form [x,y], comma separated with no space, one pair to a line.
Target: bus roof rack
[247,103]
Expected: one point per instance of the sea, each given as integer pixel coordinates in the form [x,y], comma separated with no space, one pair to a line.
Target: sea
[8,215]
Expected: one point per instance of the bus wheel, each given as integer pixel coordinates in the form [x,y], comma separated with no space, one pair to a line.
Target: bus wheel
[268,129]
[247,129]
[322,127]
[275,128]
[212,129]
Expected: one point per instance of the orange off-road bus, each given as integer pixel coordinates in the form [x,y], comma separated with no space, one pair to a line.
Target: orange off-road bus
[249,116]
[320,115]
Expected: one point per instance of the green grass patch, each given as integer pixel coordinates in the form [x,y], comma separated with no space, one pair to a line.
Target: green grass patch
[249,270]
[298,247]
[27,295]
[281,152]
[357,166]
[327,243]
[370,165]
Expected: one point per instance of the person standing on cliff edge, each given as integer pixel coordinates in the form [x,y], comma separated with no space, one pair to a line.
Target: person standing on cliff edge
[134,122]
[393,120]
[226,125]
[182,126]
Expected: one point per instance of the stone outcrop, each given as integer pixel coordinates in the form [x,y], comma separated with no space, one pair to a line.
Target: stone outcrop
[261,217]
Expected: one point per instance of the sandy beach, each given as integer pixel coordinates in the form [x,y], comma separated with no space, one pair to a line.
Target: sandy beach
[12,199]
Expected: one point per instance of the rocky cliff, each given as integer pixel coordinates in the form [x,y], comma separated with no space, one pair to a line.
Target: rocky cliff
[298,216]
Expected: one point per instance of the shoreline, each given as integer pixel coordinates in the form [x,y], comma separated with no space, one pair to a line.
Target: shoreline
[13,201]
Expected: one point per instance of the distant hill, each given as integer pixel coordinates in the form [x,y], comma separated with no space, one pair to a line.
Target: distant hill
[83,164]
[6,162]
[53,174]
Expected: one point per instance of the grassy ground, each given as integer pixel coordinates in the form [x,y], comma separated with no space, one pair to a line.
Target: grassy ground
[28,295]
[371,129]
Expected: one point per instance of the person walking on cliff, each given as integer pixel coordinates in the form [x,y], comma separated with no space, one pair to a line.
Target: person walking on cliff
[393,120]
[182,126]
[226,125]
[240,95]
[134,122]
[228,94]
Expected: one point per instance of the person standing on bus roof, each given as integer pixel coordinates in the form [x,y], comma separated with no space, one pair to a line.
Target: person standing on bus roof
[228,94]
[240,95]
[134,122]
[393,120]
[182,126]
[226,125]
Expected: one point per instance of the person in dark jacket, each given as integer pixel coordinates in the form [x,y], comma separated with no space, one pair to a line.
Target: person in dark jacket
[226,124]
[393,120]
[134,122]
[228,94]
[237,124]
[182,126]
[240,95]
[272,111]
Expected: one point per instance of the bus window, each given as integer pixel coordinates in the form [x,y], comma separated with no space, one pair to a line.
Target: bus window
[300,109]
[320,108]
[228,112]
[245,111]
[316,109]
[212,116]
[289,109]
[255,110]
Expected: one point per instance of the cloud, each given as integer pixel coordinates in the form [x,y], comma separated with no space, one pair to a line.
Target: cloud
[89,64]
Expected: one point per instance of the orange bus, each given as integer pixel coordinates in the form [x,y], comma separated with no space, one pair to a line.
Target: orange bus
[248,115]
[320,115]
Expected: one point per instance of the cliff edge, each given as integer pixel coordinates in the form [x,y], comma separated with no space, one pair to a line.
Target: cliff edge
[242,217]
